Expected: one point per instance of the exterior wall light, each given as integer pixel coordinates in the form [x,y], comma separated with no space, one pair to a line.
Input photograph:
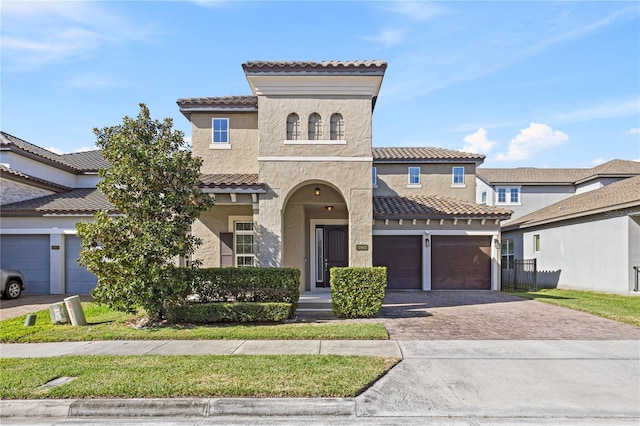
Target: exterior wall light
[329,208]
[317,191]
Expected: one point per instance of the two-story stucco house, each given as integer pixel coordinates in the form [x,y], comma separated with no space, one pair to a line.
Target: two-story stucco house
[297,183]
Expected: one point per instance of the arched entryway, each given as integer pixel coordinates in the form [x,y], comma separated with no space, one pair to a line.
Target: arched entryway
[315,232]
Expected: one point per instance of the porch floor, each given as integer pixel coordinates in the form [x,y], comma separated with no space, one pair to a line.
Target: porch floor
[315,301]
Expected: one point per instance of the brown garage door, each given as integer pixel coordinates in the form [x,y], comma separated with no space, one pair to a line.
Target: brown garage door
[402,255]
[460,263]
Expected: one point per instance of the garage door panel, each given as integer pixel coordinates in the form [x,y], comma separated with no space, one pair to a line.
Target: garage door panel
[461,263]
[402,255]
[78,280]
[30,255]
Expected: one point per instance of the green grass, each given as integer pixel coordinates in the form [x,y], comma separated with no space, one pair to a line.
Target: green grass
[105,324]
[151,376]
[620,308]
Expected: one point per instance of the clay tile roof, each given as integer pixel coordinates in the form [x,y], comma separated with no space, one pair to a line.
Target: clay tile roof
[370,66]
[622,194]
[534,176]
[433,207]
[89,161]
[14,175]
[425,154]
[231,181]
[243,101]
[78,201]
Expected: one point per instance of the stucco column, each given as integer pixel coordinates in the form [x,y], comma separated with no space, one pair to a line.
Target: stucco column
[268,230]
[360,227]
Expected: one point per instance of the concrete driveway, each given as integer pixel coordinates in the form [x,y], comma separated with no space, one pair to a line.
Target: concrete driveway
[29,303]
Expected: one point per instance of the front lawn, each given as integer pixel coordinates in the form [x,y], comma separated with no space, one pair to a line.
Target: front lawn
[105,324]
[620,308]
[151,376]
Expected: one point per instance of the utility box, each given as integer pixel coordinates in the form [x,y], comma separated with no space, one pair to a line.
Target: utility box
[58,313]
[74,308]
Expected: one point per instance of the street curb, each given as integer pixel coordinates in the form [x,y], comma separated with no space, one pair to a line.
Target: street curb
[179,407]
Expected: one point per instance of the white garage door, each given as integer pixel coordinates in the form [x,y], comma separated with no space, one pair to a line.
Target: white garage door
[78,279]
[30,255]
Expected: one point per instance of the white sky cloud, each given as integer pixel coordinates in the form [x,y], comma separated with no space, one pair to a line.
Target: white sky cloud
[55,150]
[86,148]
[535,138]
[634,131]
[36,33]
[388,37]
[478,143]
[605,110]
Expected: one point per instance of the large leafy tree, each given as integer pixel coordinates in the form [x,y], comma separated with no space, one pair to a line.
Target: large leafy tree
[153,184]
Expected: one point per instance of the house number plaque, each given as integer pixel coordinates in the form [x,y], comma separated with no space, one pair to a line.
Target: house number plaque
[362,247]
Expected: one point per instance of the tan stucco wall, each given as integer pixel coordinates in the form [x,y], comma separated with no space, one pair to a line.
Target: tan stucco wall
[209,226]
[273,125]
[434,178]
[351,182]
[243,138]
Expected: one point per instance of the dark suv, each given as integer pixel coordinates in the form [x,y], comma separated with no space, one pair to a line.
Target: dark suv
[11,283]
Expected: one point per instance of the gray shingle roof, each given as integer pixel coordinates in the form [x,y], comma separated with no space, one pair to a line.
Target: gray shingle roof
[77,201]
[622,194]
[425,154]
[89,161]
[16,176]
[536,176]
[433,207]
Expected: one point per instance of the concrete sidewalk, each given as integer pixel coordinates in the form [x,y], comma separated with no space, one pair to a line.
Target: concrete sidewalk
[532,382]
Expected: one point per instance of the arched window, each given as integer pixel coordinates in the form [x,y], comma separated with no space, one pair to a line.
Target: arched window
[315,127]
[293,127]
[337,127]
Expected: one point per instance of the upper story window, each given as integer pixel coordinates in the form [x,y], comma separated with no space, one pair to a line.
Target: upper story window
[293,127]
[484,197]
[220,130]
[337,127]
[507,254]
[374,177]
[315,127]
[536,243]
[414,175]
[458,176]
[508,195]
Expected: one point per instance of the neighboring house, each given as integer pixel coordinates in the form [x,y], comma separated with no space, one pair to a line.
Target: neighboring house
[527,189]
[590,241]
[42,196]
[298,184]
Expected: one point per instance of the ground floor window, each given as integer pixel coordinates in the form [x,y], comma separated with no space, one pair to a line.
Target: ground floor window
[243,239]
[507,254]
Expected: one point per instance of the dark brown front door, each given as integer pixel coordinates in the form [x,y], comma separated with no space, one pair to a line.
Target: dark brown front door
[402,255]
[336,250]
[460,263]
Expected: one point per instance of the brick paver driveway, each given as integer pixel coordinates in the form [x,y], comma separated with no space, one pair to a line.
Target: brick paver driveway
[490,315]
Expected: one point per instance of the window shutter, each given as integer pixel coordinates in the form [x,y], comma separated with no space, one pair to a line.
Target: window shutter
[226,249]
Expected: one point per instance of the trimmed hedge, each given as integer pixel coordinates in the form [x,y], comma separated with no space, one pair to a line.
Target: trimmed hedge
[358,292]
[209,313]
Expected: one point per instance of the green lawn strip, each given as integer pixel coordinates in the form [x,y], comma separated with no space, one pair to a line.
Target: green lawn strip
[157,376]
[620,308]
[105,324]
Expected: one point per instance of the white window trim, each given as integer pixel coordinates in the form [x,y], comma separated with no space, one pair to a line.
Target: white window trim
[220,145]
[414,185]
[507,200]
[457,185]
[235,241]
[537,247]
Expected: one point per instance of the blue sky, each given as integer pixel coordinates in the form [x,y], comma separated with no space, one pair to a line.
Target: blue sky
[540,84]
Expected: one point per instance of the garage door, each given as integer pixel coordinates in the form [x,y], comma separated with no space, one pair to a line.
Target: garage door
[402,255]
[78,280]
[460,263]
[30,255]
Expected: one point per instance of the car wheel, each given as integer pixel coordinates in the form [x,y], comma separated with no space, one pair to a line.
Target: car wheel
[13,289]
